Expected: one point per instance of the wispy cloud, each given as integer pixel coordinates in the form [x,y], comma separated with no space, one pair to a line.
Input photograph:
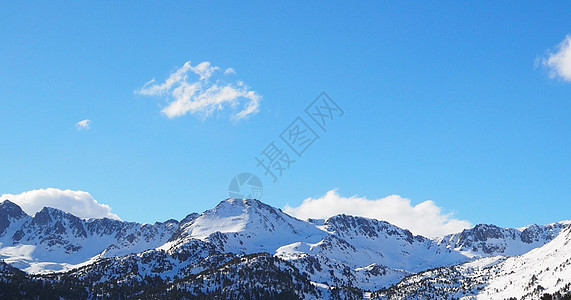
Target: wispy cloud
[83,124]
[78,203]
[424,218]
[195,90]
[559,62]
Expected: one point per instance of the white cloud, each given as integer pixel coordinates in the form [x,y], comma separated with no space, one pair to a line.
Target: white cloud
[78,203]
[83,124]
[424,218]
[191,89]
[559,62]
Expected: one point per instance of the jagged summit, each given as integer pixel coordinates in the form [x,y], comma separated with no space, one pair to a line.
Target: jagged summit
[245,205]
[10,214]
[11,209]
[347,224]
[49,213]
[7,202]
[488,239]
[232,205]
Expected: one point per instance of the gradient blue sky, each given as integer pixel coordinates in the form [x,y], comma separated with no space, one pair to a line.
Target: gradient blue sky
[443,101]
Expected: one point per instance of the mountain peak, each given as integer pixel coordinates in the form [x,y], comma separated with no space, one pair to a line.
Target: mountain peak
[244,207]
[482,232]
[51,220]
[347,225]
[249,225]
[7,202]
[50,212]
[9,212]
[241,202]
[12,209]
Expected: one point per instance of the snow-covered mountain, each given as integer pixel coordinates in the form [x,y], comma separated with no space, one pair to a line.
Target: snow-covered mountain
[544,270]
[354,253]
[53,240]
[487,240]
[247,226]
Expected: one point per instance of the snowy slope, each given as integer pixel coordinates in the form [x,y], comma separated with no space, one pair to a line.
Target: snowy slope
[250,226]
[546,269]
[390,245]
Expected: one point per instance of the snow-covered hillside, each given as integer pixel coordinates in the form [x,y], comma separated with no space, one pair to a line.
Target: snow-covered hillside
[347,251]
[546,269]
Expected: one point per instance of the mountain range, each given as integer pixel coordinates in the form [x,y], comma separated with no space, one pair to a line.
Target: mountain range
[243,248]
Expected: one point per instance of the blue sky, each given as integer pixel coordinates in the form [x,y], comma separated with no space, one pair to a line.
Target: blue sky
[442,101]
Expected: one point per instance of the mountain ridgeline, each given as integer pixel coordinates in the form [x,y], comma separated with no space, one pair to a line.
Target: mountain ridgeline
[245,249]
